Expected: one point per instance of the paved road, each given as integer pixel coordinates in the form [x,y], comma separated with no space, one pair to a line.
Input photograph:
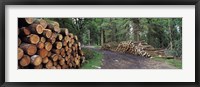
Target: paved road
[115,60]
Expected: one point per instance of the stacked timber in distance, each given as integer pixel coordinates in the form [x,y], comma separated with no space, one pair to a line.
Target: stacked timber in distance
[44,45]
[139,48]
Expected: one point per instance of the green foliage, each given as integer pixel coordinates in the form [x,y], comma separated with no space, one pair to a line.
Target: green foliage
[158,32]
[93,59]
[174,62]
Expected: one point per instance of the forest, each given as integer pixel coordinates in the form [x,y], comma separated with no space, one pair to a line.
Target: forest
[100,43]
[163,33]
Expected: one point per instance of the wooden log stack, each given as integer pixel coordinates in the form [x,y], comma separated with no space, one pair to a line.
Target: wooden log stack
[139,48]
[44,45]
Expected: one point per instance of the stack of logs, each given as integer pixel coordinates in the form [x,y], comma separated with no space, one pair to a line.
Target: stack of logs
[42,44]
[136,48]
[139,48]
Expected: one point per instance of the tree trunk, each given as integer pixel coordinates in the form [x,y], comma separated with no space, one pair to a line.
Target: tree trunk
[25,61]
[42,22]
[20,53]
[36,60]
[42,53]
[48,46]
[28,48]
[47,33]
[32,39]
[170,34]
[102,38]
[36,28]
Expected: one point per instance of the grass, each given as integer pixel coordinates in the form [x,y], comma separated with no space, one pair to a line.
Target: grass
[174,62]
[93,59]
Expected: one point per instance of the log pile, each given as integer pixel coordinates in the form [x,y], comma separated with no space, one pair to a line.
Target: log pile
[139,48]
[110,46]
[44,45]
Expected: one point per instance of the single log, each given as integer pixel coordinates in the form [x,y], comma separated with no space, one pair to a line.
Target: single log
[54,35]
[64,42]
[38,67]
[67,58]
[67,38]
[25,61]
[57,29]
[60,37]
[53,28]
[32,38]
[54,57]
[77,61]
[45,60]
[66,48]
[48,46]
[55,63]
[72,41]
[47,33]
[64,31]
[42,39]
[58,67]
[53,23]
[41,21]
[69,50]
[56,51]
[36,60]
[19,41]
[62,61]
[25,22]
[60,57]
[70,65]
[49,54]
[43,53]
[53,67]
[36,28]
[62,52]
[65,66]
[52,40]
[58,45]
[28,48]
[75,38]
[40,45]
[76,46]
[69,45]
[20,53]
[24,31]
[71,35]
[49,64]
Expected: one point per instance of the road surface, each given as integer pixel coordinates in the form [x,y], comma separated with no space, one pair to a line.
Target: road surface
[116,60]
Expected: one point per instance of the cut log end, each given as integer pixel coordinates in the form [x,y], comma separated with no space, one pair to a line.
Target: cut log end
[36,60]
[29,48]
[58,45]
[34,39]
[43,53]
[47,33]
[40,45]
[48,46]
[39,29]
[20,53]
[29,20]
[54,57]
[25,61]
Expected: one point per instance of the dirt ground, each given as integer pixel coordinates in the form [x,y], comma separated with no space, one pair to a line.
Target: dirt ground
[115,60]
